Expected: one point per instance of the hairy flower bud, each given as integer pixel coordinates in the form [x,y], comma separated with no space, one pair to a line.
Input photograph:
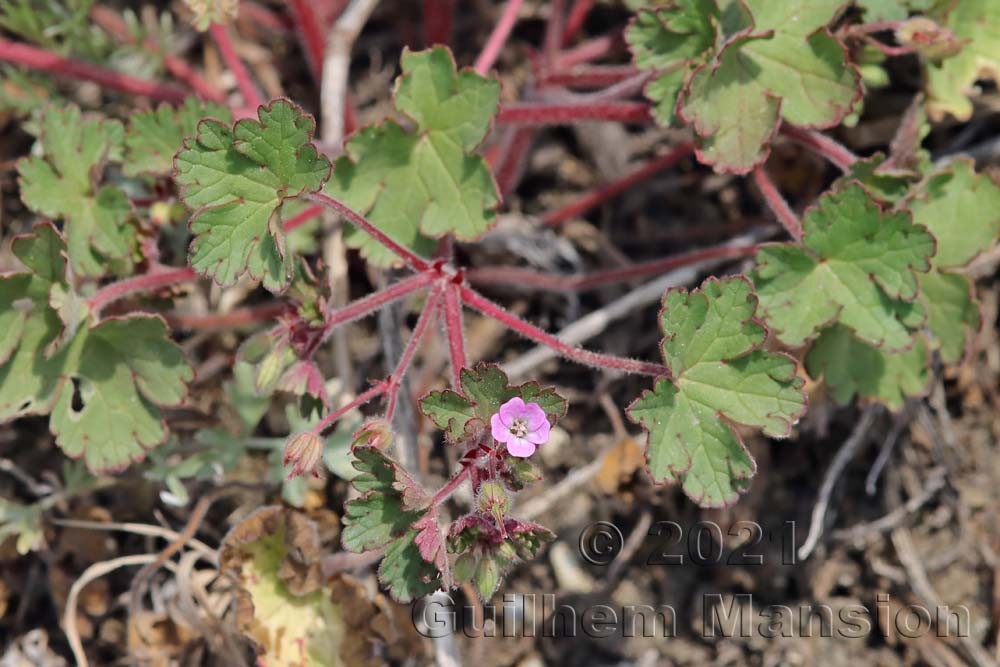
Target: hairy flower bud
[373,433]
[270,369]
[304,452]
[523,471]
[464,568]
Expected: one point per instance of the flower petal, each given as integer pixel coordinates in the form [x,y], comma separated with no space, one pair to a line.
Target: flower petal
[511,410]
[499,430]
[520,447]
[539,435]
[535,416]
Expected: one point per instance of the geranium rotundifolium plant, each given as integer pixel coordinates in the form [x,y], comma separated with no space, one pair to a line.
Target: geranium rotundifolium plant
[181,272]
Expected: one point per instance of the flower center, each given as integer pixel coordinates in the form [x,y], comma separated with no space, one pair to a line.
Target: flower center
[519,428]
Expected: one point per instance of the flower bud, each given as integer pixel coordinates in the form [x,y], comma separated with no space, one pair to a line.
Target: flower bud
[492,499]
[487,577]
[304,452]
[373,433]
[523,471]
[464,567]
[269,369]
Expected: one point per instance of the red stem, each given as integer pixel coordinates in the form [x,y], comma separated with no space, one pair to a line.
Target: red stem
[512,159]
[590,76]
[505,275]
[45,61]
[302,217]
[584,53]
[147,281]
[574,22]
[251,96]
[537,114]
[377,389]
[375,300]
[498,37]
[891,51]
[786,216]
[835,152]
[395,380]
[437,21]
[453,328]
[414,261]
[310,34]
[579,355]
[238,317]
[553,32]
[265,17]
[615,188]
[113,23]
[445,491]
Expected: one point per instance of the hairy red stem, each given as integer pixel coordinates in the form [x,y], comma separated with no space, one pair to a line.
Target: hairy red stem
[584,53]
[437,21]
[265,17]
[45,61]
[238,317]
[376,390]
[537,114]
[615,188]
[251,96]
[113,23]
[475,300]
[450,487]
[147,281]
[165,276]
[786,216]
[498,37]
[429,314]
[302,217]
[553,32]
[512,158]
[310,33]
[574,22]
[835,152]
[505,275]
[590,76]
[369,304]
[414,261]
[452,303]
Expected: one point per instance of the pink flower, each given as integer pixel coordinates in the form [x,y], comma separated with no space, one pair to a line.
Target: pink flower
[521,426]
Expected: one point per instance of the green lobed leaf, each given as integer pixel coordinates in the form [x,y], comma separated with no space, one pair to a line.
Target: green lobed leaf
[485,388]
[24,524]
[104,385]
[65,184]
[857,265]
[952,312]
[428,182]
[391,501]
[154,136]
[785,65]
[672,39]
[405,572]
[719,377]
[236,179]
[962,209]
[951,81]
[851,367]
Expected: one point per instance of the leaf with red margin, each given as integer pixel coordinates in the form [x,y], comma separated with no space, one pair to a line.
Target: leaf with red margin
[719,377]
[784,65]
[104,384]
[236,179]
[420,184]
